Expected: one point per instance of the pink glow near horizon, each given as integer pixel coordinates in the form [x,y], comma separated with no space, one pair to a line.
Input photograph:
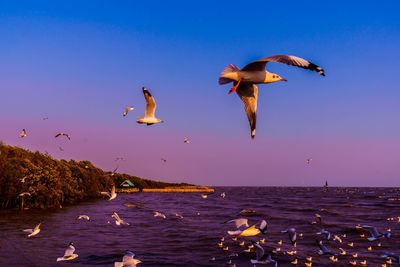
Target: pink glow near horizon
[216,159]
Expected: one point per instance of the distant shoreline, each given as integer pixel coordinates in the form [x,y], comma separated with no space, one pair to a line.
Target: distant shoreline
[34,180]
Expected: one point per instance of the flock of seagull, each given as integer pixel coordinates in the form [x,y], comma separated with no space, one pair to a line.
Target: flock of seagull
[251,237]
[243,230]
[245,82]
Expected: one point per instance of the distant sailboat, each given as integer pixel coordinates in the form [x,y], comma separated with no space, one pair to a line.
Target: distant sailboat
[326,189]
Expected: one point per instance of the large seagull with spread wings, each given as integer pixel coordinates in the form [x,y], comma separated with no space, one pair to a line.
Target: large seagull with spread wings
[149,115]
[245,80]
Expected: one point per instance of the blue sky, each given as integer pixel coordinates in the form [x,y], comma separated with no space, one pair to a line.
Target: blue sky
[80,62]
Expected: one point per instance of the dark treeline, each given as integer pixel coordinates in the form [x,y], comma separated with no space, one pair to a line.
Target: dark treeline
[53,183]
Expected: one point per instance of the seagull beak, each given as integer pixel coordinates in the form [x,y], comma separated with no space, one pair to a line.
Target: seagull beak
[283,79]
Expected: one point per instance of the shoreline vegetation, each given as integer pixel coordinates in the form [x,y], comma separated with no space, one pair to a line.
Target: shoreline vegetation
[51,183]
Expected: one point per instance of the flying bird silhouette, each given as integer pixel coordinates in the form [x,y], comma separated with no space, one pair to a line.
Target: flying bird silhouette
[63,134]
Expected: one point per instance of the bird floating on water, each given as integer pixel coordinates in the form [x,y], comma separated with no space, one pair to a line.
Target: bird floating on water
[149,116]
[34,231]
[84,217]
[245,80]
[159,214]
[69,253]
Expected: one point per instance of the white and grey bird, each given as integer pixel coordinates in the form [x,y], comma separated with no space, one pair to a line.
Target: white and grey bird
[244,229]
[127,110]
[128,260]
[292,235]
[149,115]
[326,234]
[112,194]
[84,217]
[159,214]
[34,231]
[375,234]
[308,161]
[69,253]
[23,179]
[186,140]
[118,220]
[245,80]
[323,250]
[223,195]
[23,133]
[63,134]
[261,258]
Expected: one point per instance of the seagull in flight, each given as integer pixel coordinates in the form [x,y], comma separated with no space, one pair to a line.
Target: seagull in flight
[326,234]
[128,260]
[292,235]
[34,231]
[324,250]
[23,133]
[163,160]
[112,195]
[375,234]
[308,161]
[245,80]
[63,134]
[261,258]
[114,171]
[127,110]
[149,116]
[69,253]
[186,140]
[118,220]
[244,229]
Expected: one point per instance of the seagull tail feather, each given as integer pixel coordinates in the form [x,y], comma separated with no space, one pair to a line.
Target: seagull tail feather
[225,75]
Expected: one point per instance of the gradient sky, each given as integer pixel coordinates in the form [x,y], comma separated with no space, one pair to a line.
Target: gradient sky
[79,63]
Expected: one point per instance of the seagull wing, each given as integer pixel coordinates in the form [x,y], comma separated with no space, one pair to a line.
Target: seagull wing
[239,223]
[150,104]
[259,251]
[374,232]
[28,231]
[260,64]
[248,93]
[113,190]
[37,227]
[69,251]
[57,135]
